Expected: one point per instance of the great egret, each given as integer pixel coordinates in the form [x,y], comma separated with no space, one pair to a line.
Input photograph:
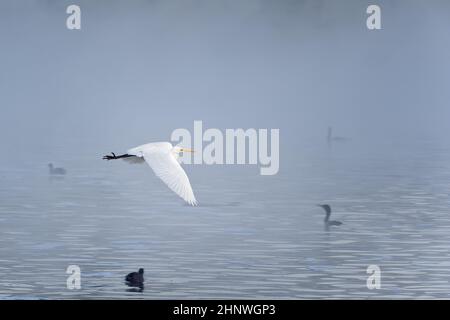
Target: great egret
[56,171]
[163,158]
[327,222]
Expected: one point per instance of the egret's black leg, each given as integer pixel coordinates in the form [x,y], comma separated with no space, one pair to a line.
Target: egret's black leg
[114,157]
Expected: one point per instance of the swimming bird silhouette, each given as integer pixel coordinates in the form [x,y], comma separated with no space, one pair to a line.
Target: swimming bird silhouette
[135,279]
[331,138]
[56,171]
[327,222]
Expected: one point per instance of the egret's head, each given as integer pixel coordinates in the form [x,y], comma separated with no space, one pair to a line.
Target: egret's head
[178,150]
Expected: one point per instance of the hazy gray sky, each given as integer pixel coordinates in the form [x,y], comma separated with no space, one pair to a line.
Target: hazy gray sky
[139,69]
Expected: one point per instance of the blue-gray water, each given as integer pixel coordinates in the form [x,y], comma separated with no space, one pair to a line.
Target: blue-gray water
[251,237]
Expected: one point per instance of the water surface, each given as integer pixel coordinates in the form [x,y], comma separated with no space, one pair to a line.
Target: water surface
[251,237]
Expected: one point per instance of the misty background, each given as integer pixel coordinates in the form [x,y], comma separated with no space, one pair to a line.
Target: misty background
[137,70]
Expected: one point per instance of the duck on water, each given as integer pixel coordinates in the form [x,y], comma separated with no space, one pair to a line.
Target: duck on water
[135,279]
[56,171]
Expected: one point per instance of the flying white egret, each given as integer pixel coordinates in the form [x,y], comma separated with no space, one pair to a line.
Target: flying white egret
[163,158]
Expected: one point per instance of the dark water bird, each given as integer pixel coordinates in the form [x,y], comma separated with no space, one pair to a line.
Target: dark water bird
[331,138]
[56,171]
[327,222]
[135,279]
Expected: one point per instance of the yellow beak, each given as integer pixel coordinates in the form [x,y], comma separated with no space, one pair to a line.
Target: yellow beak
[187,150]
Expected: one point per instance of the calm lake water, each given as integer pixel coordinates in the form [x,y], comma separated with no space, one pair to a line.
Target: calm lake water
[251,237]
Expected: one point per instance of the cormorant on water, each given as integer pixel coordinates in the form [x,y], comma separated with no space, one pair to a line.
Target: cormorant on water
[135,279]
[327,222]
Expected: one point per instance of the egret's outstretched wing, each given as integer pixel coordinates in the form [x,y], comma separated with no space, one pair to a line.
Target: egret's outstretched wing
[167,168]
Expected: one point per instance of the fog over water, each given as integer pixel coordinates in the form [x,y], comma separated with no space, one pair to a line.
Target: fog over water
[137,70]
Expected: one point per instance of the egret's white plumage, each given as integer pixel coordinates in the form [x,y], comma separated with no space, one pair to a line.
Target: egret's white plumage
[162,157]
